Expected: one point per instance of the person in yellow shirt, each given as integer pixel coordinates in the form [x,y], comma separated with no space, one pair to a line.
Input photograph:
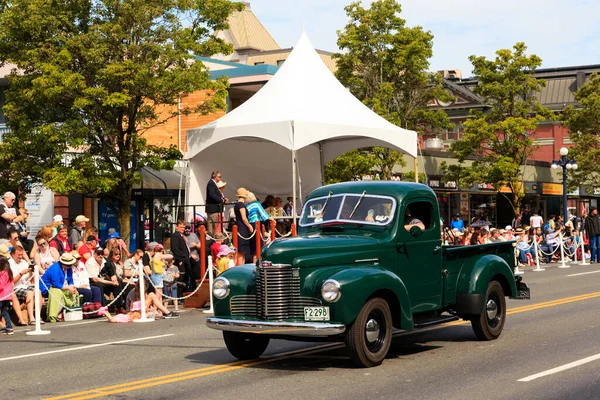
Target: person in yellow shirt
[225,254]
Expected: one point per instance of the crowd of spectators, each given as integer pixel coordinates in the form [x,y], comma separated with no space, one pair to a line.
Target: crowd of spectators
[530,233]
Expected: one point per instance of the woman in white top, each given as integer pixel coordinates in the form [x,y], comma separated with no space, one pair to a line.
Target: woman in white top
[45,255]
[81,280]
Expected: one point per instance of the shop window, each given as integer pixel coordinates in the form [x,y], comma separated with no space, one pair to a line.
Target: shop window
[419,210]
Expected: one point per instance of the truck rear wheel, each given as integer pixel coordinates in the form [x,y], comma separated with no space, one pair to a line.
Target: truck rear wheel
[245,346]
[370,337]
[489,325]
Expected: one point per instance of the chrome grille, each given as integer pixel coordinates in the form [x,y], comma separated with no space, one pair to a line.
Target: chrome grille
[277,295]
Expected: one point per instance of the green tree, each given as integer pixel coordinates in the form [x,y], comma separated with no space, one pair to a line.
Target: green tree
[584,124]
[500,139]
[349,166]
[91,77]
[385,65]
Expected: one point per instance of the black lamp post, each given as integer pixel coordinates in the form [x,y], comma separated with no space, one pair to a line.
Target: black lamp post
[565,164]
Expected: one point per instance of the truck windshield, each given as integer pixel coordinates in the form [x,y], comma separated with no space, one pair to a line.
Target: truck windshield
[364,208]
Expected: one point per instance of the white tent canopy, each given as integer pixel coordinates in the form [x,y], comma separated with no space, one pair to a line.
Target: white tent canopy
[303,110]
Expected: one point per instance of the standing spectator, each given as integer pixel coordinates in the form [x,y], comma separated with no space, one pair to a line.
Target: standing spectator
[181,253]
[245,228]
[170,285]
[61,242]
[269,202]
[457,223]
[56,221]
[216,246]
[157,266]
[592,228]
[517,221]
[59,286]
[289,206]
[6,289]
[256,213]
[526,218]
[76,234]
[81,281]
[45,255]
[536,221]
[214,202]
[21,227]
[87,249]
[9,214]
[193,242]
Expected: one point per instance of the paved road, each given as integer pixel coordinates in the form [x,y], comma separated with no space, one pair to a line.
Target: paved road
[183,359]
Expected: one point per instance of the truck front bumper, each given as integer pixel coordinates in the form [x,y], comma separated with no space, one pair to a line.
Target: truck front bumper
[276,327]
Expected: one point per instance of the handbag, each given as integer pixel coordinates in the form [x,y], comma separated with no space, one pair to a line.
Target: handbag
[89,308]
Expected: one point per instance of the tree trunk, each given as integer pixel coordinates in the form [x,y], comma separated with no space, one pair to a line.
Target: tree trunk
[124,216]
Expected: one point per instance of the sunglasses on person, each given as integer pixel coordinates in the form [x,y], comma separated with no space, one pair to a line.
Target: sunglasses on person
[42,244]
[117,254]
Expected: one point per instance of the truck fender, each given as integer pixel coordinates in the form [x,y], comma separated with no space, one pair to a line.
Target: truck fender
[360,284]
[473,281]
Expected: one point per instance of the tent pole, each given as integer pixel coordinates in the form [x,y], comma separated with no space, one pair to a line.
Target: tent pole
[294,173]
[416,171]
[322,159]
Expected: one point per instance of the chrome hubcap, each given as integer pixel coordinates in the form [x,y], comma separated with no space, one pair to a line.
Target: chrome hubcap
[491,308]
[372,330]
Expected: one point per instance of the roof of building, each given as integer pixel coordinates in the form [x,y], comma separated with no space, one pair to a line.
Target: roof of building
[248,33]
[230,69]
[275,56]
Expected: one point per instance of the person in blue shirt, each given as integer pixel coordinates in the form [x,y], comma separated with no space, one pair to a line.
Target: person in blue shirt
[57,283]
[457,223]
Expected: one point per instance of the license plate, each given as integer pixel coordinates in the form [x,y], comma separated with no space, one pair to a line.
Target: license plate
[316,313]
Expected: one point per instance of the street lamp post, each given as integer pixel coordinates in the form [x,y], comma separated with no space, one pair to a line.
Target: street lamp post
[564,163]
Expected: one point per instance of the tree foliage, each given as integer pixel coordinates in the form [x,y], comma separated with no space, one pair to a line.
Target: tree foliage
[500,139]
[385,65]
[584,126]
[91,77]
[350,166]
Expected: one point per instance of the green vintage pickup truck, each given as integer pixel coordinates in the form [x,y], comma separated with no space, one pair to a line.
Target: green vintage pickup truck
[368,258]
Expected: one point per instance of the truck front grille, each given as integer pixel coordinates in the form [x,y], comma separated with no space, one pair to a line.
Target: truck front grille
[277,295]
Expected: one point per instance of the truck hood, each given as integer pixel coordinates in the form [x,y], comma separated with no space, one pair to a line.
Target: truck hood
[322,250]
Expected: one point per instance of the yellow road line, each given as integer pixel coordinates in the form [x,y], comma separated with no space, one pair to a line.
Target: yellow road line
[233,366]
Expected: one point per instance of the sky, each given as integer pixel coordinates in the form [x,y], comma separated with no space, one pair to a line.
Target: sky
[562,33]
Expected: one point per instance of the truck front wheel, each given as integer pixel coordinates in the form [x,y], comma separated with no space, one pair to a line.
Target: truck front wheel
[489,325]
[245,346]
[369,338]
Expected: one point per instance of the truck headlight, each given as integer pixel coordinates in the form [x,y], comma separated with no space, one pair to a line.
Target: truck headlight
[331,291]
[220,288]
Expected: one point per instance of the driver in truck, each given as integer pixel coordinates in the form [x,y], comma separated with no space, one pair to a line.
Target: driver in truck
[410,221]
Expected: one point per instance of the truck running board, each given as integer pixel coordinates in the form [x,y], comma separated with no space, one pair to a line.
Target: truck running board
[435,320]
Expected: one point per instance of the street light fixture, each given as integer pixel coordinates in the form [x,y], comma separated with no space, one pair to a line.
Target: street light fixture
[565,164]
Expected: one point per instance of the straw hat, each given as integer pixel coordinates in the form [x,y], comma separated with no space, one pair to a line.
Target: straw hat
[4,251]
[241,192]
[221,184]
[67,259]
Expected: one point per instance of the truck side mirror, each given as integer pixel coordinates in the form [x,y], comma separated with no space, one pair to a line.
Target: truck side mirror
[415,231]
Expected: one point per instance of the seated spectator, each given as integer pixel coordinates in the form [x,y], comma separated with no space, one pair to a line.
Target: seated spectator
[98,274]
[550,245]
[44,255]
[113,270]
[131,265]
[269,201]
[86,250]
[22,279]
[153,305]
[494,235]
[61,241]
[6,293]
[58,285]
[81,280]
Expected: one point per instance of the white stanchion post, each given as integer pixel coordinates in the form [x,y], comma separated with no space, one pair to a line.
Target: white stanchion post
[537,257]
[575,253]
[209,265]
[37,306]
[142,283]
[583,260]
[562,252]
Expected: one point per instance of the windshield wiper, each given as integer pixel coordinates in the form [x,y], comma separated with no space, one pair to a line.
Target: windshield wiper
[357,204]
[326,201]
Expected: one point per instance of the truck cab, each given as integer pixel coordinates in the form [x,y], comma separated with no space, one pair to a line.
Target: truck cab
[368,258]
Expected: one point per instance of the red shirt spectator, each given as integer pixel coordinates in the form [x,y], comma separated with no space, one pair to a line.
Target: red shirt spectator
[87,250]
[61,242]
[214,249]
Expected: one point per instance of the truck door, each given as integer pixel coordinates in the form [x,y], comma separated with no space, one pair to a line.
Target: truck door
[420,254]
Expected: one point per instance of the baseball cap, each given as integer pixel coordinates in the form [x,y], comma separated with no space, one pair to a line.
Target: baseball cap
[81,218]
[57,218]
[114,235]
[9,195]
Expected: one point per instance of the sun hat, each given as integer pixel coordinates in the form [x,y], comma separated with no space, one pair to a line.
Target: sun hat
[519,230]
[81,218]
[4,250]
[67,259]
[57,218]
[508,228]
[158,246]
[221,184]
[75,254]
[241,192]
[136,306]
[224,250]
[456,232]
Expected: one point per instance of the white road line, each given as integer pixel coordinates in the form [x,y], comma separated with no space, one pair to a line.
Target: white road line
[84,347]
[584,273]
[561,368]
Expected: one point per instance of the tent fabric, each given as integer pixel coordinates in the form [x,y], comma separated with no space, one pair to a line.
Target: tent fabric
[304,110]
